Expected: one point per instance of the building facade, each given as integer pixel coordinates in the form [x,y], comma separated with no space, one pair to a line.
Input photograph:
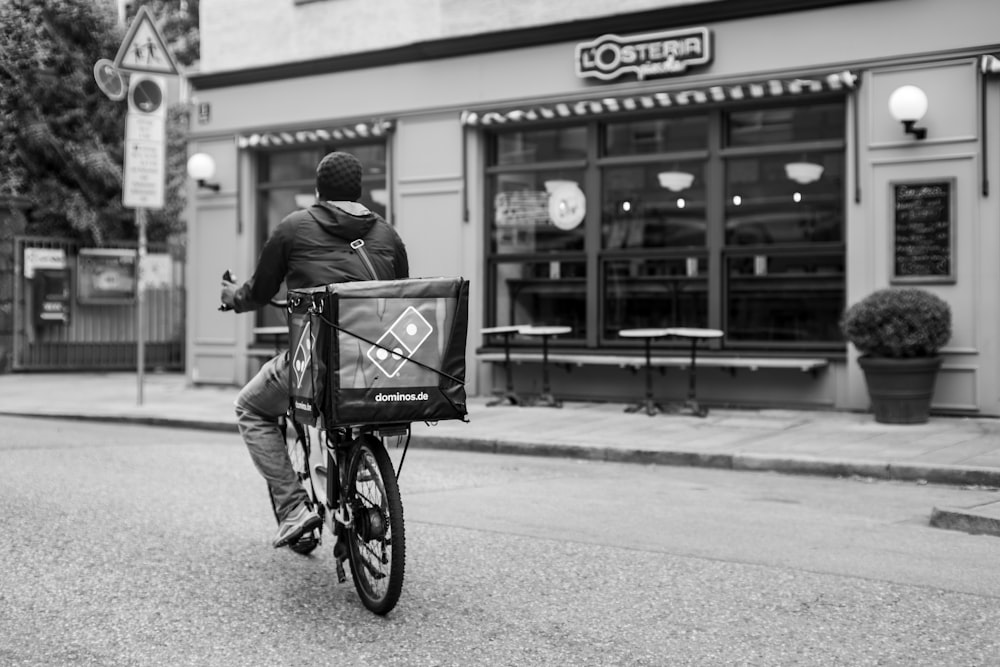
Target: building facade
[715,164]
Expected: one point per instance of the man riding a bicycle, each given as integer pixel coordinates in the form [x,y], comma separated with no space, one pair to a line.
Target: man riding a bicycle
[312,247]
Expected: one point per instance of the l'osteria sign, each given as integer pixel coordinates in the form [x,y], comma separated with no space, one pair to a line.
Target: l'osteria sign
[648,55]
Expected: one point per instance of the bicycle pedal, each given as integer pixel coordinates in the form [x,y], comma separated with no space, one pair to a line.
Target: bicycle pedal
[340,551]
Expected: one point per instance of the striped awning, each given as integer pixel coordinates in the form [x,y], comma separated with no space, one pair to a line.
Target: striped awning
[767,88]
[361,130]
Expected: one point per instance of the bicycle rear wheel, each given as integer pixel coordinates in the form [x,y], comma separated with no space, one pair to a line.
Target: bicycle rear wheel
[376,542]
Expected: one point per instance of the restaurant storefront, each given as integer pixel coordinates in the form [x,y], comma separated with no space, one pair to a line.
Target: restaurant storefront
[697,176]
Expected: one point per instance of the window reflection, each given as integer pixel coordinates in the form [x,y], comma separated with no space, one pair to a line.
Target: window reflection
[549,145]
[759,127]
[638,212]
[654,293]
[659,135]
[788,298]
[550,293]
[765,206]
[537,211]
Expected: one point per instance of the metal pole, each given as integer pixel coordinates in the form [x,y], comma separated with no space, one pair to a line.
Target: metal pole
[140,315]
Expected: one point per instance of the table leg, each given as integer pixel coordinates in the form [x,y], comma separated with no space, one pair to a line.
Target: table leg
[650,406]
[509,395]
[546,399]
[691,403]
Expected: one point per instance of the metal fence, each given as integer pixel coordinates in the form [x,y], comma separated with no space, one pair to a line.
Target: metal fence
[74,308]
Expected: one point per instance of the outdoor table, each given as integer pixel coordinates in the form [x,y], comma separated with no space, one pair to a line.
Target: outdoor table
[648,404]
[545,399]
[509,395]
[694,335]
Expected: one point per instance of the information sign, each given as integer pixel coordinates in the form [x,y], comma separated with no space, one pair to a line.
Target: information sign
[145,143]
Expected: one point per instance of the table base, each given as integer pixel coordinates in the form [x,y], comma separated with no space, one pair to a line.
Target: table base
[648,405]
[506,398]
[546,401]
[652,408]
[692,406]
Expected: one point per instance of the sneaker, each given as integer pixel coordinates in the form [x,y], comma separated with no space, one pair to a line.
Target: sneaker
[298,521]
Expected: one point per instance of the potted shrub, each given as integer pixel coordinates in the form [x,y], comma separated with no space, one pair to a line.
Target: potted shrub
[899,332]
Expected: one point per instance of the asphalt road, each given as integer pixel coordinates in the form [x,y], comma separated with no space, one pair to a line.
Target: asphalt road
[130,545]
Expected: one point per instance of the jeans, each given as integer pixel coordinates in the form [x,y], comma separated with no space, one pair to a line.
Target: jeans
[259,405]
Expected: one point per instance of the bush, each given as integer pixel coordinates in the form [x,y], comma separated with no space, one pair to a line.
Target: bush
[898,322]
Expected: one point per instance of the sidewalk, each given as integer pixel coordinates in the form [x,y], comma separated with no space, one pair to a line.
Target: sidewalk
[948,450]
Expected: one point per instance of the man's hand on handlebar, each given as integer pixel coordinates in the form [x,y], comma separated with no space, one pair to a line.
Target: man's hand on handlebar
[228,291]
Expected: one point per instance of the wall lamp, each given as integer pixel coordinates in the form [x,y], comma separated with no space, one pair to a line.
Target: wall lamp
[908,104]
[201,167]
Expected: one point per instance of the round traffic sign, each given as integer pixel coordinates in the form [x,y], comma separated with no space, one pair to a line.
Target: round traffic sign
[109,79]
[147,95]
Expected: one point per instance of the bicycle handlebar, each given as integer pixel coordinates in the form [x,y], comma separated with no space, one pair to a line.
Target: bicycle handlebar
[230,278]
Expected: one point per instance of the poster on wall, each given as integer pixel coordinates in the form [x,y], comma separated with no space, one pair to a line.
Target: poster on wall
[43,258]
[923,227]
[105,275]
[156,272]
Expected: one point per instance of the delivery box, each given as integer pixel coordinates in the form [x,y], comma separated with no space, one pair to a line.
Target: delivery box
[382,351]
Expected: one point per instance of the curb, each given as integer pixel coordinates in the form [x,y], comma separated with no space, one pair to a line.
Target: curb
[906,472]
[966,520]
[193,424]
[938,474]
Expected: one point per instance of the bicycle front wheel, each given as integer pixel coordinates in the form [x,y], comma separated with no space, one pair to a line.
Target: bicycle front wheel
[375,540]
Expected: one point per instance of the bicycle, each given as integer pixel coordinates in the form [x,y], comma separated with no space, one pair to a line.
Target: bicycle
[360,505]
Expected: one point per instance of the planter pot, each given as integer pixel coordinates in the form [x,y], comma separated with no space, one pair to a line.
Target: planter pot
[901,389]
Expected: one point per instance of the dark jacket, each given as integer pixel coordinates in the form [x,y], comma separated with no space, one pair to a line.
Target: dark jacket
[312,247]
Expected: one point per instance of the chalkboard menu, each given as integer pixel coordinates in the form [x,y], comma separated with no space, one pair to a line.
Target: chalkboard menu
[923,232]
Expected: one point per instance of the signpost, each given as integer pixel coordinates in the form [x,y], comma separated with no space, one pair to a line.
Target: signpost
[144,55]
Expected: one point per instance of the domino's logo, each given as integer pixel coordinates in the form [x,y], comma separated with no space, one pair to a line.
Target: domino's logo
[303,354]
[402,340]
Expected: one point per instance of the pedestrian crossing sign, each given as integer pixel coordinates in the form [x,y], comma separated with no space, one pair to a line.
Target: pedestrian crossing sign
[143,49]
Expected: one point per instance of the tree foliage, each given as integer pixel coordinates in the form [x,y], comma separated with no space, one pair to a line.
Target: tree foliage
[61,138]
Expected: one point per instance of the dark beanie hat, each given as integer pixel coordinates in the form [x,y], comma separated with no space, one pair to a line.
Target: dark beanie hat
[338,177]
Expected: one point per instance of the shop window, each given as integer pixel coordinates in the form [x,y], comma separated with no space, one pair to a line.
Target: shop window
[548,145]
[792,298]
[767,204]
[659,135]
[286,166]
[779,125]
[537,212]
[638,211]
[550,292]
[642,293]
[726,218]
